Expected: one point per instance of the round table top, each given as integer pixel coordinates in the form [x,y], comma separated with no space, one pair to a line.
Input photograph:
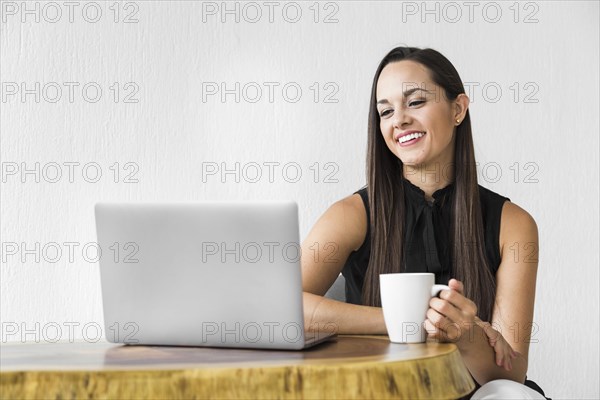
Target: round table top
[348,366]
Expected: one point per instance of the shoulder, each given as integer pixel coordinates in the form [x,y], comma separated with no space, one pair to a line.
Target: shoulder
[517,226]
[488,196]
[352,204]
[351,215]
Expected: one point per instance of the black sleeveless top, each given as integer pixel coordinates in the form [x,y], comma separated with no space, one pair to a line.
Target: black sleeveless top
[427,233]
[427,230]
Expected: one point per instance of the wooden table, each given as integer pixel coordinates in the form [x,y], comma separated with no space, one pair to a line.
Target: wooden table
[348,367]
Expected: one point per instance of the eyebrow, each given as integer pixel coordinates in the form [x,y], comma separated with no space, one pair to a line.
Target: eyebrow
[405,94]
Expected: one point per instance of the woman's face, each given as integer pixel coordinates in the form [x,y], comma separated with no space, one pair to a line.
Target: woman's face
[402,109]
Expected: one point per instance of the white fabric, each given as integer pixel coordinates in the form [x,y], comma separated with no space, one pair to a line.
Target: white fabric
[506,390]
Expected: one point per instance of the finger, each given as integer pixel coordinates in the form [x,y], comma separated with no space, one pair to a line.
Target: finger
[456,285]
[429,327]
[459,301]
[431,330]
[492,334]
[439,329]
[446,309]
[438,320]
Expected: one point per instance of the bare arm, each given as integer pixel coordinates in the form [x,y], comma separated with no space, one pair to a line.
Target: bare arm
[321,313]
[513,310]
[338,232]
[515,284]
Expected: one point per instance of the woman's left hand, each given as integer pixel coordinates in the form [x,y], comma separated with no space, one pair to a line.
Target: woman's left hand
[451,317]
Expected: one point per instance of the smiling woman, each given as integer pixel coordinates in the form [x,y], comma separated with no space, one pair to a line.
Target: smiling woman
[423,106]
[423,210]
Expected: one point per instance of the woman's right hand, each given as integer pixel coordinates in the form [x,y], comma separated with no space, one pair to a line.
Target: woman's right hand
[504,352]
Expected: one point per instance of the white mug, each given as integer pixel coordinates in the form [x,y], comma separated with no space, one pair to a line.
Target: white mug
[405,301]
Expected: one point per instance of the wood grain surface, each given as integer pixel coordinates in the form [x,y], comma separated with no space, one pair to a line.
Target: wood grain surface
[347,367]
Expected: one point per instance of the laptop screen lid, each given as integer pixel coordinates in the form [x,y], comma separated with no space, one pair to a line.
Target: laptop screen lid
[223,274]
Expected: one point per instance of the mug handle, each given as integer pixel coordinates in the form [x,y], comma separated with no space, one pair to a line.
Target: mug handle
[436,289]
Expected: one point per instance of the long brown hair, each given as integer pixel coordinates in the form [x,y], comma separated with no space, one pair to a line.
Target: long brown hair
[386,194]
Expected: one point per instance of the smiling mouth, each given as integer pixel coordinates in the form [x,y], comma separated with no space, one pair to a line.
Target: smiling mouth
[409,139]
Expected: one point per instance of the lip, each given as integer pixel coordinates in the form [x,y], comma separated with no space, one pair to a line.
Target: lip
[405,133]
[411,143]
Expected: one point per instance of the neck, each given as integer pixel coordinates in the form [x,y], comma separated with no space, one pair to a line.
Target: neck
[428,179]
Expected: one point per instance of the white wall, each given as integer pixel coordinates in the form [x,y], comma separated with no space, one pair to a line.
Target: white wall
[170,132]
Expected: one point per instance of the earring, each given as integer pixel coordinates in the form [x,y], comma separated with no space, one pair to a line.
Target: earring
[458,120]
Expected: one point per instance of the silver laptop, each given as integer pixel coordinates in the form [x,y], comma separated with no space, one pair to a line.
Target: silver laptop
[217,274]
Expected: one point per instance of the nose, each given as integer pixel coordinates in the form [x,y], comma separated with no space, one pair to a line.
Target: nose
[400,119]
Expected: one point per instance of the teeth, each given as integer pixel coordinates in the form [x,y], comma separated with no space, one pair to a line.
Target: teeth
[410,137]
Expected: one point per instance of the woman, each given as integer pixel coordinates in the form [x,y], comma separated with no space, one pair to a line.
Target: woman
[423,211]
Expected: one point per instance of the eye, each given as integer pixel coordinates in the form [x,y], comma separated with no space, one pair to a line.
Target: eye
[385,112]
[416,102]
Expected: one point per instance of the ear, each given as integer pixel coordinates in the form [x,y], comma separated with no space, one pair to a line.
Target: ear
[461,105]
